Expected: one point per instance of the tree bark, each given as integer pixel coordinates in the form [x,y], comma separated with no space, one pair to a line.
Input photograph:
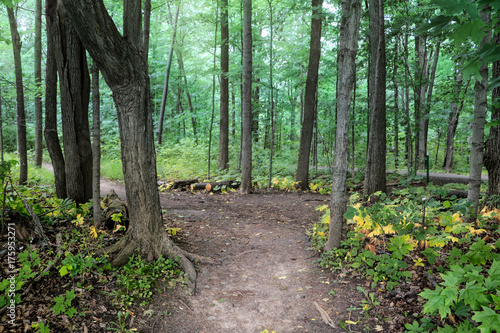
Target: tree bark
[477,144]
[349,32]
[50,132]
[74,82]
[125,72]
[310,96]
[96,147]
[492,146]
[22,149]
[246,112]
[224,88]
[376,151]
[38,85]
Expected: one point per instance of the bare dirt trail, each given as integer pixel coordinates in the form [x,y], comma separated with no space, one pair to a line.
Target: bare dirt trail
[267,279]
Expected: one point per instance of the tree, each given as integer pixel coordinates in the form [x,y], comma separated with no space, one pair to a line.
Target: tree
[96,147]
[246,106]
[74,83]
[376,149]
[22,147]
[38,85]
[492,145]
[224,88]
[477,144]
[50,132]
[348,47]
[310,96]
[131,93]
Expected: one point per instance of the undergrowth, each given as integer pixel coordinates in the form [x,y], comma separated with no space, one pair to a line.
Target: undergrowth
[413,233]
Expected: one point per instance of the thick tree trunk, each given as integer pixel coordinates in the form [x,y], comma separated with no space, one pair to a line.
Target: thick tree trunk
[492,146]
[376,151]
[22,149]
[224,88]
[50,133]
[349,31]
[246,112]
[477,144]
[310,96]
[74,81]
[38,85]
[125,72]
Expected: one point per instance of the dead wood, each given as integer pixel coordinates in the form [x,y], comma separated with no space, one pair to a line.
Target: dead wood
[215,186]
[183,183]
[114,205]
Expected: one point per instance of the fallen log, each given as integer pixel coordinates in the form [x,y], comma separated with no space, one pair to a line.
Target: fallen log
[114,206]
[183,183]
[215,186]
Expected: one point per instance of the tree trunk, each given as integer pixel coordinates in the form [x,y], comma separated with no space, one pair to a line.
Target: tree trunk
[96,147]
[310,96]
[192,113]
[22,149]
[74,81]
[131,94]
[453,121]
[167,78]
[492,146]
[349,31]
[271,111]
[477,144]
[376,150]
[224,88]
[246,112]
[38,85]
[50,133]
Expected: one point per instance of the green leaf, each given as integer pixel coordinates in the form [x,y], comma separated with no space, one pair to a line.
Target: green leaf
[351,212]
[462,309]
[489,320]
[472,29]
[473,295]
[436,302]
[8,3]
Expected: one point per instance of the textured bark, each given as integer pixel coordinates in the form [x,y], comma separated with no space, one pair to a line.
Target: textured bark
[50,132]
[22,149]
[96,147]
[125,72]
[38,85]
[477,144]
[349,31]
[376,151]
[246,112]
[492,146]
[224,88]
[74,84]
[310,96]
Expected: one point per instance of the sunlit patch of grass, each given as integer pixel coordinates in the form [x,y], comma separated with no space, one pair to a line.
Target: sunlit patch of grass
[112,169]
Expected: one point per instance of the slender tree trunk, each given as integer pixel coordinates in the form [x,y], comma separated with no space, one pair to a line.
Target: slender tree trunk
[271,111]
[246,107]
[50,132]
[310,96]
[223,160]
[349,31]
[396,109]
[22,149]
[132,97]
[376,151]
[492,146]
[213,90]
[96,147]
[167,78]
[477,144]
[38,85]
[192,112]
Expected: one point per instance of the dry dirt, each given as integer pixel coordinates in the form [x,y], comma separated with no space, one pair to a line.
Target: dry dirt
[268,279]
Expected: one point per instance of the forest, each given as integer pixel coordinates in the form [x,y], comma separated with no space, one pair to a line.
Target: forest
[326,116]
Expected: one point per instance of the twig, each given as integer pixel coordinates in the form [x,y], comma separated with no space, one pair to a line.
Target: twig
[324,315]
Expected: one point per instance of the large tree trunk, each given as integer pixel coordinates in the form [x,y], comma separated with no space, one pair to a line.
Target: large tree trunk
[224,88]
[50,133]
[310,96]
[477,144]
[125,72]
[22,149]
[492,146]
[349,31]
[376,150]
[246,112]
[74,81]
[38,85]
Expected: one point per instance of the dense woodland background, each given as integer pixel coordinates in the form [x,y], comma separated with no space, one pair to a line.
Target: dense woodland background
[424,81]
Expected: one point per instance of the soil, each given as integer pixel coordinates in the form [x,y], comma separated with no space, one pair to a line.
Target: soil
[267,279]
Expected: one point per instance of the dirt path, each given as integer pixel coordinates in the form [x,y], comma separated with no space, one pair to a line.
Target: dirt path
[268,278]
